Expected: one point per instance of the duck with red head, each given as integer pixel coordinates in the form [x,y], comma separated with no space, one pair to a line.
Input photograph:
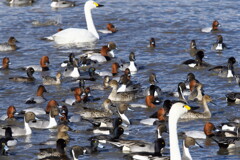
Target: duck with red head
[44,61]
[213,28]
[39,96]
[5,63]
[110,28]
[10,114]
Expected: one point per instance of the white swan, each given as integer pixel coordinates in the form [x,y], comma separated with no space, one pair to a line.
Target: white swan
[77,35]
[176,111]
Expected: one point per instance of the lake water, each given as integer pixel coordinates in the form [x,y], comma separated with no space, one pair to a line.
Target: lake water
[172,23]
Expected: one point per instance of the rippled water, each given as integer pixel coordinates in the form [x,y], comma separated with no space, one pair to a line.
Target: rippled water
[173,24]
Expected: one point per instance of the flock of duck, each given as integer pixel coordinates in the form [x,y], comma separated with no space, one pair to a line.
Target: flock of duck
[111,122]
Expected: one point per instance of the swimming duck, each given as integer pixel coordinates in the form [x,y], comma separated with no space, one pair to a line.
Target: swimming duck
[197,92]
[77,94]
[39,96]
[61,4]
[110,29]
[76,151]
[115,67]
[131,65]
[106,138]
[30,77]
[225,71]
[29,116]
[193,48]
[198,62]
[219,45]
[121,96]
[77,35]
[20,2]
[206,114]
[215,25]
[177,110]
[43,124]
[95,113]
[44,61]
[66,118]
[227,142]
[3,148]
[5,63]
[156,118]
[153,80]
[10,114]
[233,97]
[190,81]
[47,80]
[207,131]
[51,153]
[152,43]
[70,60]
[9,46]
[127,85]
[188,141]
[181,92]
[8,139]
[62,132]
[72,71]
[104,85]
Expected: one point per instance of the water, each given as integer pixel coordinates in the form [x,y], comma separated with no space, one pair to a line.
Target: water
[173,24]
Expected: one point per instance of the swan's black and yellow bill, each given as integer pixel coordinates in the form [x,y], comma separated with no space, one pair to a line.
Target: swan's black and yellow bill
[97,5]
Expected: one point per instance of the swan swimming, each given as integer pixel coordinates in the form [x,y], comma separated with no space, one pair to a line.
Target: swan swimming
[78,35]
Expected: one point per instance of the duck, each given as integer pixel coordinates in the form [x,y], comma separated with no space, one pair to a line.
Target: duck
[30,77]
[8,139]
[206,114]
[150,100]
[69,62]
[10,114]
[77,35]
[227,142]
[152,43]
[29,116]
[187,142]
[39,96]
[131,65]
[95,113]
[197,92]
[65,117]
[190,81]
[110,28]
[72,71]
[198,62]
[9,46]
[117,132]
[47,80]
[215,25]
[219,45]
[51,153]
[3,148]
[40,111]
[152,81]
[61,4]
[76,150]
[5,63]
[208,131]
[225,71]
[77,94]
[109,49]
[121,96]
[44,61]
[233,97]
[127,85]
[105,84]
[106,53]
[62,132]
[45,124]
[115,67]
[20,2]
[159,118]
[177,110]
[193,48]
[121,110]
[181,92]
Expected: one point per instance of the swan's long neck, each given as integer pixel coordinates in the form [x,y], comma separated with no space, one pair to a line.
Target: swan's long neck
[173,138]
[90,24]
[186,153]
[27,128]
